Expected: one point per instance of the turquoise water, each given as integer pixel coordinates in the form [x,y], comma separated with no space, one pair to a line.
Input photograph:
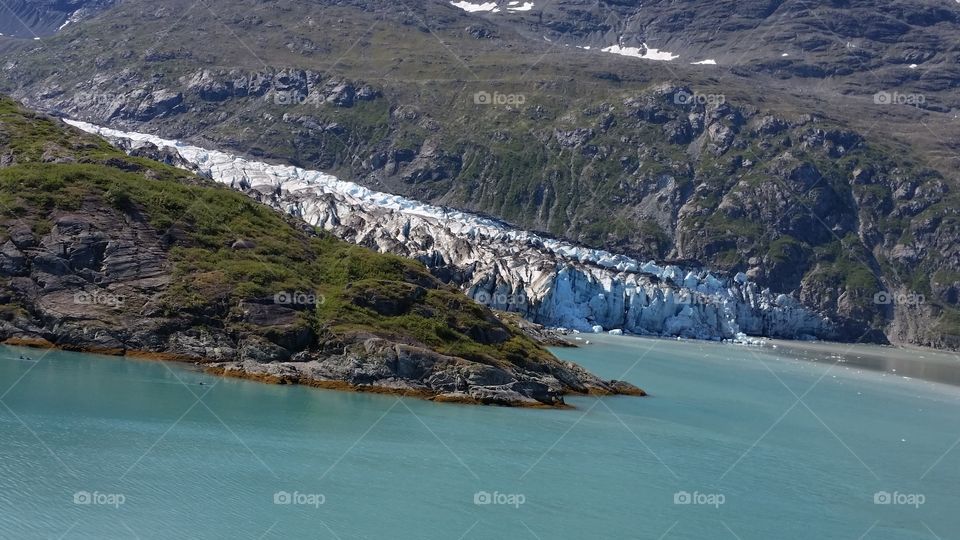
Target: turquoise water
[723,424]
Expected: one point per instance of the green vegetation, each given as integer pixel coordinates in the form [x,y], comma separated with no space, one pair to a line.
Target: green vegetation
[781,249]
[207,219]
[848,265]
[949,323]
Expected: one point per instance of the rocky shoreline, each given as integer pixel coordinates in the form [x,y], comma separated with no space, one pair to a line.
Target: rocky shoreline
[503,395]
[530,393]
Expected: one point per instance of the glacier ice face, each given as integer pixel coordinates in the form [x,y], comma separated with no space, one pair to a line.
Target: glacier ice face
[548,281]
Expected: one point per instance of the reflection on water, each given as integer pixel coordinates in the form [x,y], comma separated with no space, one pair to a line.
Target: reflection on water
[915,363]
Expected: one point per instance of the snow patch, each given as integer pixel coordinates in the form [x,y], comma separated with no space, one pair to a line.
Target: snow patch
[475,8]
[527,6]
[514,6]
[645,52]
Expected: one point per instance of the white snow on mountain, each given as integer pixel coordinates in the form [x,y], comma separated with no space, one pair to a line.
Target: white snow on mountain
[549,281]
[526,6]
[492,7]
[475,8]
[645,52]
[75,17]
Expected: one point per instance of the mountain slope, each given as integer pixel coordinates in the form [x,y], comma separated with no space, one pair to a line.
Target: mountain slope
[809,185]
[38,18]
[116,254]
[913,45]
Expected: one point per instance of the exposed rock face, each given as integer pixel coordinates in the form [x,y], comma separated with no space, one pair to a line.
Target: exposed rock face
[86,281]
[396,368]
[142,99]
[851,42]
[548,281]
[31,18]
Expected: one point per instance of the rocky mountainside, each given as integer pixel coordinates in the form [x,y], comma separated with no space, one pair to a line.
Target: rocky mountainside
[38,18]
[828,173]
[122,255]
[913,45]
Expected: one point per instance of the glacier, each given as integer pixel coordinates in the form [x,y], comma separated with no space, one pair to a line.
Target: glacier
[548,281]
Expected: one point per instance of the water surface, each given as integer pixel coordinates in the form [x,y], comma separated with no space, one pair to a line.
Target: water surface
[791,448]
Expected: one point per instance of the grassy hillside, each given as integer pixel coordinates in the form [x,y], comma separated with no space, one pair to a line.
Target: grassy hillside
[51,169]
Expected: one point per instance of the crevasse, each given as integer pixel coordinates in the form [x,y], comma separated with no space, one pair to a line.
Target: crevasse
[548,281]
